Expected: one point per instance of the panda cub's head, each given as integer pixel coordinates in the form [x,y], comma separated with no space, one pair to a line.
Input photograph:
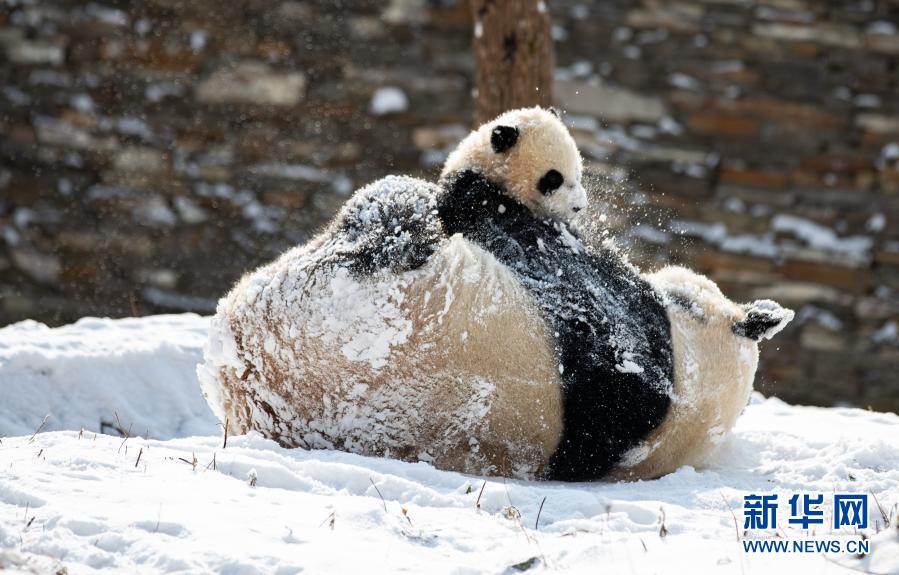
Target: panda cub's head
[531,156]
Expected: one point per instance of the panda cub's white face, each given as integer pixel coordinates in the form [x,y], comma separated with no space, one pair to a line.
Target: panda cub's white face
[531,155]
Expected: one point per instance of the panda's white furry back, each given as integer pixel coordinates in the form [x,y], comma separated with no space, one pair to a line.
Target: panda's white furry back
[468,326]
[715,346]
[317,351]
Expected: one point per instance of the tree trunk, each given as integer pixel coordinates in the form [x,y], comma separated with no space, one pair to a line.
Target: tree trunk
[513,54]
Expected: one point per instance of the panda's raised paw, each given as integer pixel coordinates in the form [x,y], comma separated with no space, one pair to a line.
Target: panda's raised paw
[764,318]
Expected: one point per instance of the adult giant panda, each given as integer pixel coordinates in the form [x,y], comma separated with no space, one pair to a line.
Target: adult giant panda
[468,326]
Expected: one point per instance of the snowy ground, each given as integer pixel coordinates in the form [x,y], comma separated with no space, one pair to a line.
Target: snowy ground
[179,501]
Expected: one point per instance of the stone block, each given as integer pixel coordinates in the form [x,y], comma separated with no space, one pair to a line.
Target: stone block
[428,138]
[754,178]
[820,338]
[252,83]
[715,260]
[42,268]
[871,308]
[675,16]
[848,279]
[878,123]
[720,124]
[142,160]
[829,34]
[79,273]
[58,133]
[36,52]
[611,104]
[889,180]
[799,293]
[883,43]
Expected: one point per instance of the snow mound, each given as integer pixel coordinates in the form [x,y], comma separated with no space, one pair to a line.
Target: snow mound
[87,373]
[96,504]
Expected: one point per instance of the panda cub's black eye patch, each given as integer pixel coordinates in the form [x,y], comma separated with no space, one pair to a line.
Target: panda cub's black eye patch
[550,182]
[503,137]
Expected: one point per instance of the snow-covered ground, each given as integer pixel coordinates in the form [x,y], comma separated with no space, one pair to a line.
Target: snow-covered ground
[182,502]
[86,373]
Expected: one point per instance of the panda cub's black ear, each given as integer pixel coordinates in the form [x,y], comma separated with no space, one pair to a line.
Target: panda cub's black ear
[502,138]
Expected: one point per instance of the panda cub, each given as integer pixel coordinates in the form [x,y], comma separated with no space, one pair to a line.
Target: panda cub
[609,329]
[467,325]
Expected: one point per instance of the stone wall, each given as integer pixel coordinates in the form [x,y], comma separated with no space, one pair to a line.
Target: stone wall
[152,151]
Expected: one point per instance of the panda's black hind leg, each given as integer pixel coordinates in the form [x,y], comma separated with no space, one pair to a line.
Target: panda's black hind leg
[764,318]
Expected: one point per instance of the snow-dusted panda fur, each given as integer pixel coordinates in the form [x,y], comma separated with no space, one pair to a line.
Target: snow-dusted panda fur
[715,344]
[610,331]
[467,325]
[340,344]
[387,335]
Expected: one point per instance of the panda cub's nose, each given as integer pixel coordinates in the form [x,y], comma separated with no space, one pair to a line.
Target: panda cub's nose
[576,208]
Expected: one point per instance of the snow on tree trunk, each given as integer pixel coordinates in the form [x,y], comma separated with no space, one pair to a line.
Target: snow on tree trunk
[514,59]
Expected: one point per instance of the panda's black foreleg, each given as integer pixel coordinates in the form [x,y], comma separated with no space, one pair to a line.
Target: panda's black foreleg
[606,412]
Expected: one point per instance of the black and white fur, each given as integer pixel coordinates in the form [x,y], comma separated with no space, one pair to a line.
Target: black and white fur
[468,326]
[610,328]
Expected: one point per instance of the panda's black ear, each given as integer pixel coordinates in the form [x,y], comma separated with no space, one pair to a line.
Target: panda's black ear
[502,138]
